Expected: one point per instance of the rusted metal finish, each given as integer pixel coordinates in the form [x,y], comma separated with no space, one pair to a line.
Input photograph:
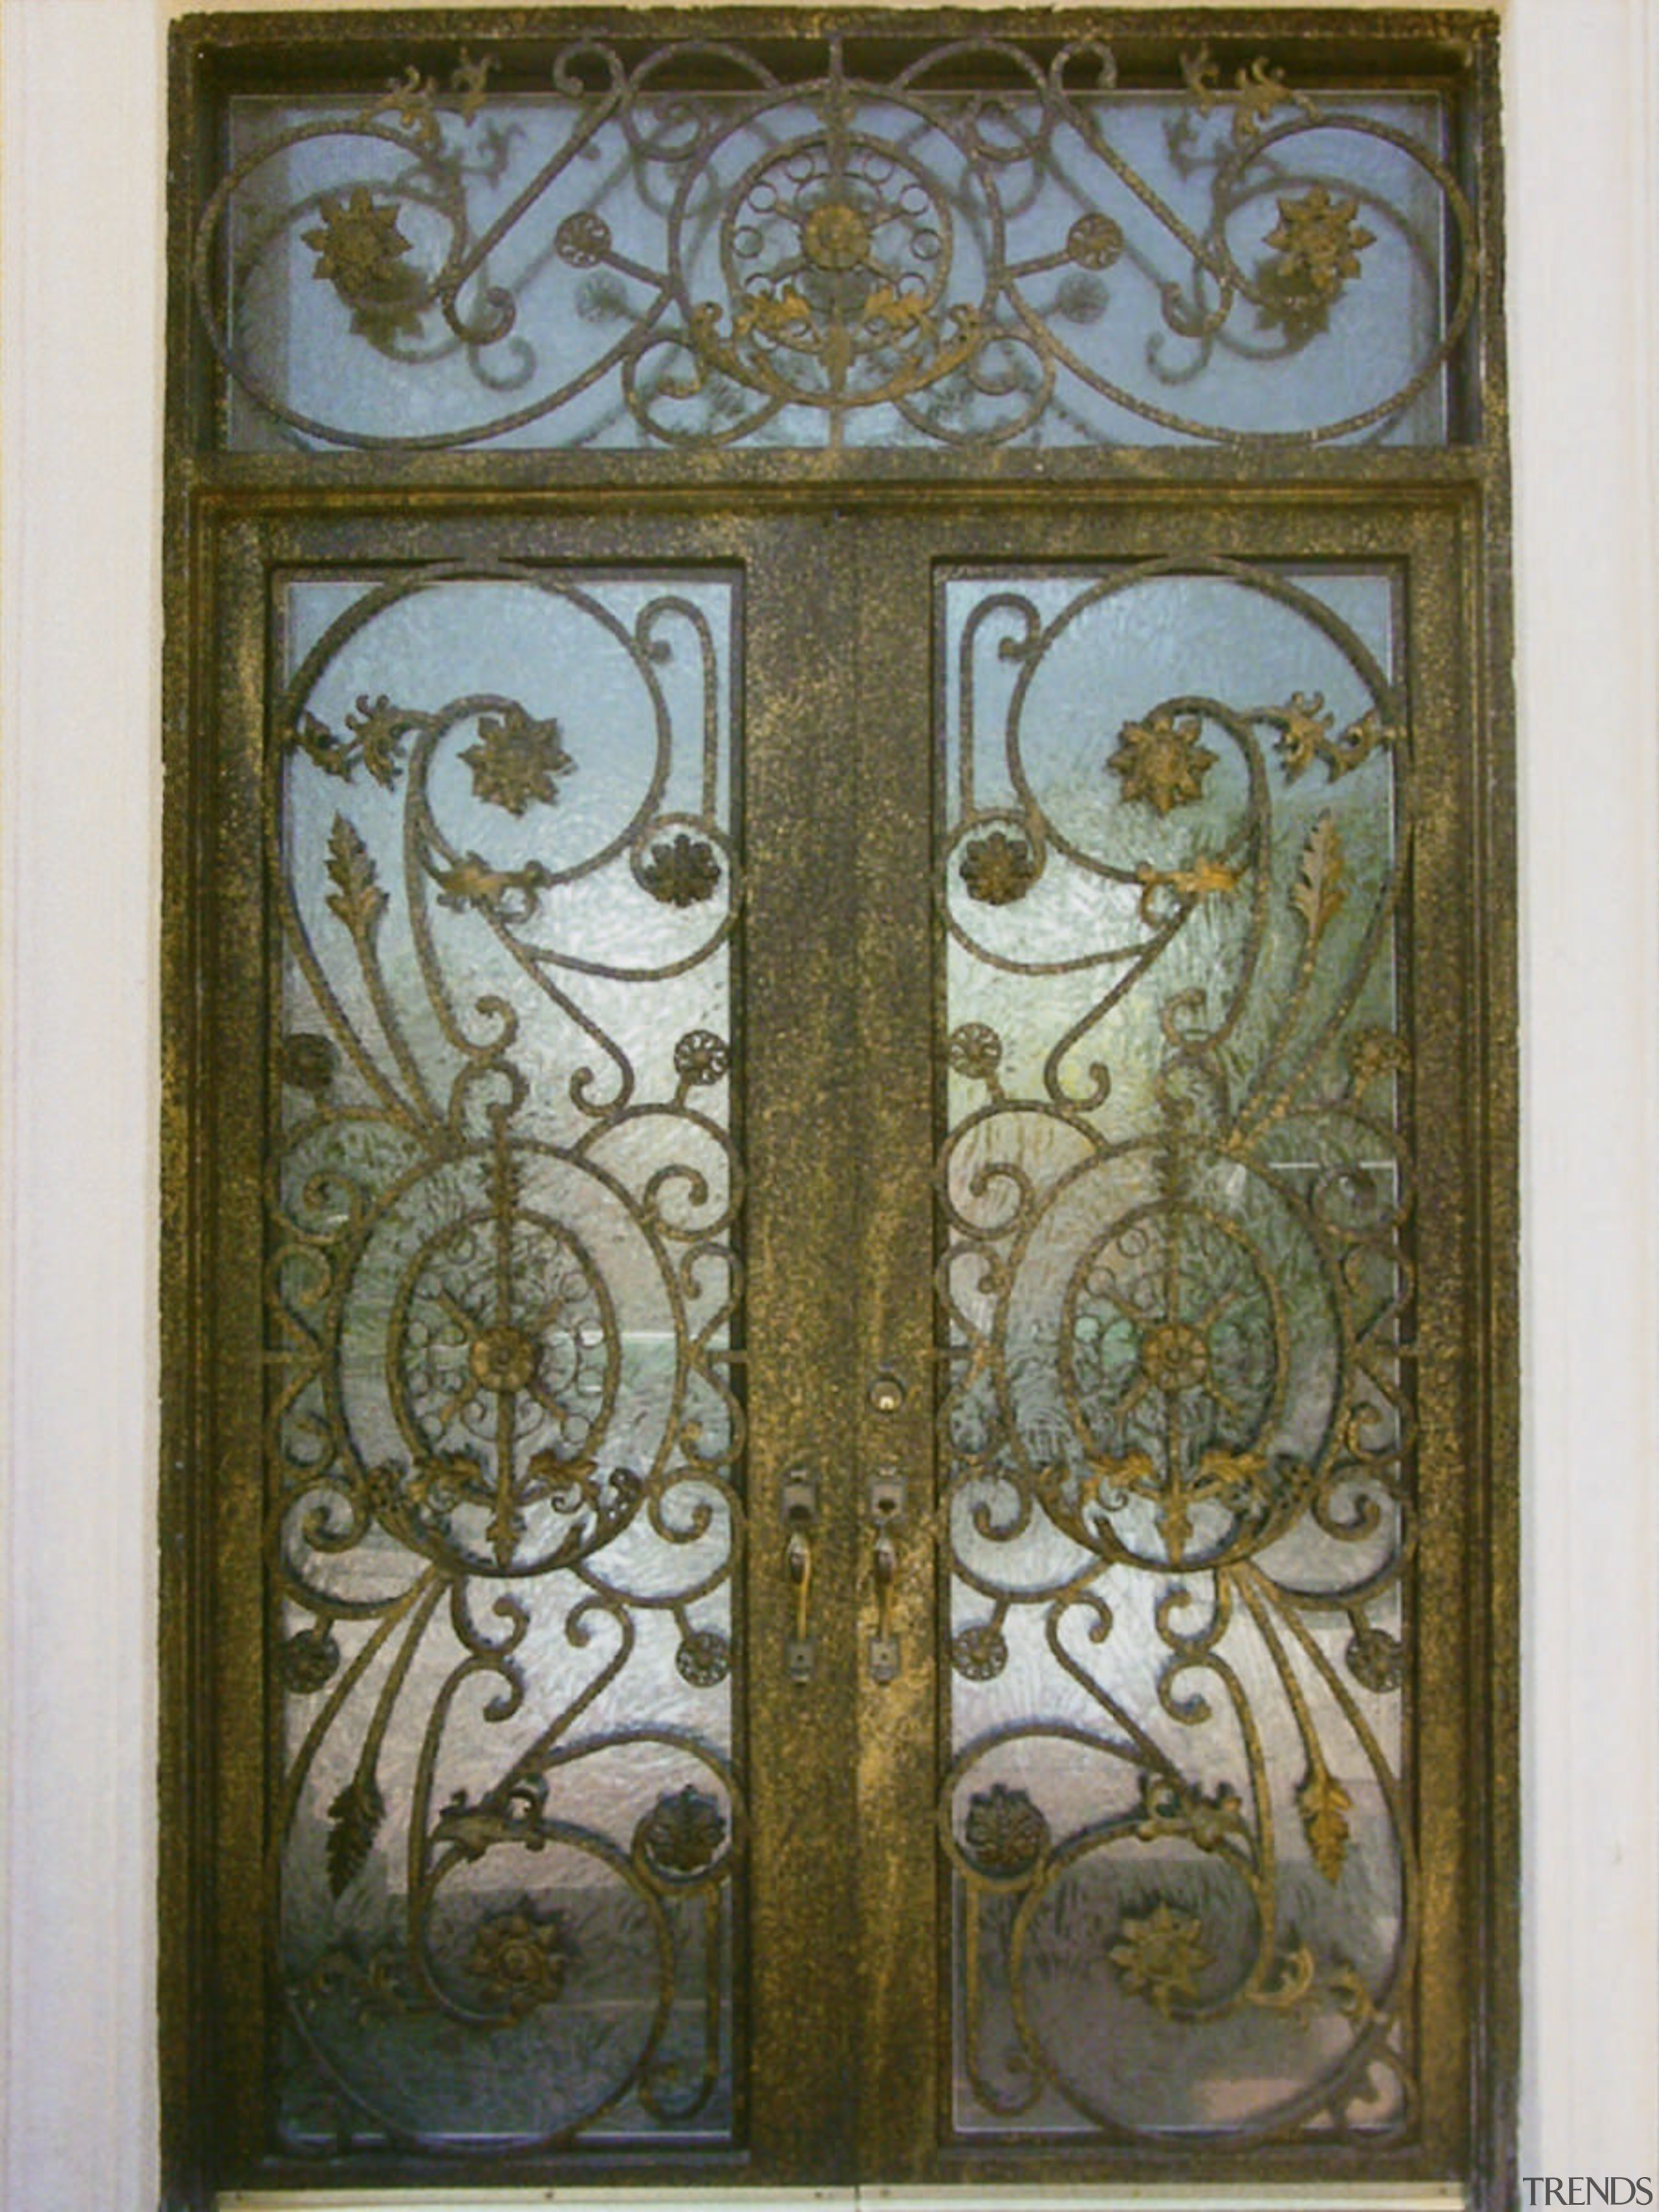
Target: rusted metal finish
[842,2019]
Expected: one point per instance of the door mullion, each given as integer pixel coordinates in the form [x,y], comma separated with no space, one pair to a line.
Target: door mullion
[803,1197]
[899,2050]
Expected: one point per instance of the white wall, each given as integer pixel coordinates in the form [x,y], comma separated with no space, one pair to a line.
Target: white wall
[80,405]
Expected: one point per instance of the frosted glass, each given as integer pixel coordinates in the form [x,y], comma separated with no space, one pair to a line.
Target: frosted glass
[841,263]
[505,1440]
[1174,1441]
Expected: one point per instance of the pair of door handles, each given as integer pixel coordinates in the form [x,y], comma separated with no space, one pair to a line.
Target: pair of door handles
[884,1499]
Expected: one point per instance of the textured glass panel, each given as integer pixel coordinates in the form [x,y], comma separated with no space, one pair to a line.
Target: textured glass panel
[1174,1435]
[843,261]
[503,1302]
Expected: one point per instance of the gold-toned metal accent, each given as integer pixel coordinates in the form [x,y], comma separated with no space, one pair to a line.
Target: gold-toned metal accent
[1160,1955]
[359,250]
[1160,762]
[1175,1356]
[798,1560]
[835,236]
[1319,243]
[502,1358]
[887,1493]
[799,1505]
[885,1657]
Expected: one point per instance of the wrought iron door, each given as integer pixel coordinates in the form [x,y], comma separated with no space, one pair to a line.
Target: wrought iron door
[843,1193]
[839,1118]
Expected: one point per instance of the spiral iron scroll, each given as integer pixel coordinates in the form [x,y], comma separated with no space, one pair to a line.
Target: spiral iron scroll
[505,1430]
[986,245]
[1176,1430]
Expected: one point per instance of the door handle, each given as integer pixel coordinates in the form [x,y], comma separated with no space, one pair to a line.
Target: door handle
[799,1498]
[797,1559]
[887,1501]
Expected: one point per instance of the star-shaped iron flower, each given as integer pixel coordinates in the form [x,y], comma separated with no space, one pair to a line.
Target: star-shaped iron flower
[358,244]
[1160,760]
[516,760]
[1319,241]
[1161,1953]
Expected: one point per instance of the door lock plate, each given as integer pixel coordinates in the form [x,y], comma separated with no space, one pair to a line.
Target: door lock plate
[888,1495]
[798,1498]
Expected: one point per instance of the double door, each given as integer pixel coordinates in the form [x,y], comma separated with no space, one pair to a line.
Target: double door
[856,1112]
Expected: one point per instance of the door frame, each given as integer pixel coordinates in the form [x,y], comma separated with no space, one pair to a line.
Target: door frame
[80,770]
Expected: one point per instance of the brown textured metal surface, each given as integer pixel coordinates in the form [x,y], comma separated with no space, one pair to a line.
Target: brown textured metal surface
[839,551]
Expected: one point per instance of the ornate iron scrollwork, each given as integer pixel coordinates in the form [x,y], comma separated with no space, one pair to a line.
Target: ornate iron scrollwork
[505,1436]
[1177,1433]
[989,243]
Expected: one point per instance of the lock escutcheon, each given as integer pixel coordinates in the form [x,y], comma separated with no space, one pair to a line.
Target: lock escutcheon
[887,1495]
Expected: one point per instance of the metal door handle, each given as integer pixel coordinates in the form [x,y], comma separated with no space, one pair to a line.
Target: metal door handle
[799,1502]
[884,1644]
[886,1512]
[797,1559]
